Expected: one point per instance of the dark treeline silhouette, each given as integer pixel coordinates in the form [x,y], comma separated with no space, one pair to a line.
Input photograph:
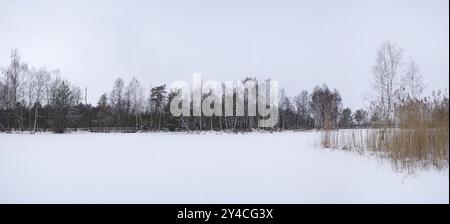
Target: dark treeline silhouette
[40,100]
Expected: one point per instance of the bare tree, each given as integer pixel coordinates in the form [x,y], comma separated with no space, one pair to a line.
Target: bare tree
[303,108]
[136,95]
[412,82]
[30,85]
[386,81]
[285,106]
[15,74]
[41,80]
[325,106]
[3,101]
[117,98]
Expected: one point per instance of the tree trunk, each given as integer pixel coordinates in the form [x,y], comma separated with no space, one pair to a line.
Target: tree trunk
[35,118]
[137,126]
[184,123]
[159,125]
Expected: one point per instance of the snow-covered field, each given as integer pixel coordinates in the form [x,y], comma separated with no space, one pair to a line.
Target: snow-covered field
[201,168]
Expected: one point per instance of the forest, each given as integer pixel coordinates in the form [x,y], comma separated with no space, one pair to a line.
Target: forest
[41,100]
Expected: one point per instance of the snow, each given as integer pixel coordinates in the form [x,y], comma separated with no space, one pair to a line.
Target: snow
[201,168]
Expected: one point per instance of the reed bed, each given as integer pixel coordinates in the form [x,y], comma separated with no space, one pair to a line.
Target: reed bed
[420,138]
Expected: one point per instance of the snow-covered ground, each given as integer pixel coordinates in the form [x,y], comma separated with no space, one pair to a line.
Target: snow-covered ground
[201,168]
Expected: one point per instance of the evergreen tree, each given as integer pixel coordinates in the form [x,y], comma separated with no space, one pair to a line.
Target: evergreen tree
[346,120]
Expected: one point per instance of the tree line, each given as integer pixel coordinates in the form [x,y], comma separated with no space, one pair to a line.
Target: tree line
[41,100]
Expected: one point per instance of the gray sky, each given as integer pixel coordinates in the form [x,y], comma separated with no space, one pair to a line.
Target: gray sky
[298,43]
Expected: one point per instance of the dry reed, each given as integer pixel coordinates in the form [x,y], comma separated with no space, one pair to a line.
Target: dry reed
[420,138]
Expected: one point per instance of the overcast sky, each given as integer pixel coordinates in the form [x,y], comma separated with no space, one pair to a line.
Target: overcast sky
[298,43]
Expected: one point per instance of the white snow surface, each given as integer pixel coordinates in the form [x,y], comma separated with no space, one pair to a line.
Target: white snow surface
[202,168]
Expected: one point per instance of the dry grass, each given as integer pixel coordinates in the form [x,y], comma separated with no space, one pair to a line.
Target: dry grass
[419,140]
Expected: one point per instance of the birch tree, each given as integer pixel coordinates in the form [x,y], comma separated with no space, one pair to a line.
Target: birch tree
[137,98]
[15,75]
[303,108]
[412,81]
[388,62]
[117,98]
[41,81]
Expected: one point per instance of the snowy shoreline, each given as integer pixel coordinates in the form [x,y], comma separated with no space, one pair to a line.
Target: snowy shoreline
[283,167]
[254,131]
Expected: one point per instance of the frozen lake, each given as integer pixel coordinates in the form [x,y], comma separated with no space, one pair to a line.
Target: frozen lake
[201,168]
